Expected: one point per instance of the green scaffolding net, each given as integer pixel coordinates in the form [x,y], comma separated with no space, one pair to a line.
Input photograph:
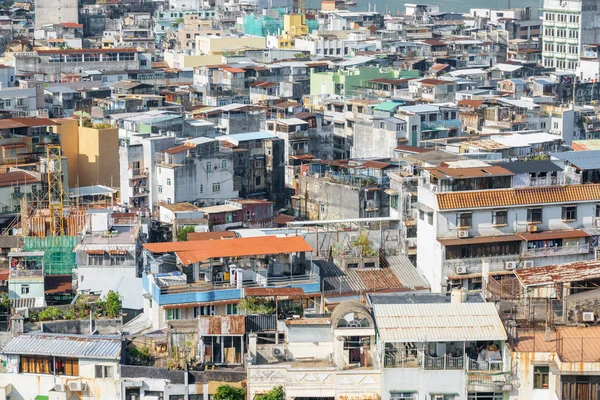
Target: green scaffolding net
[59,257]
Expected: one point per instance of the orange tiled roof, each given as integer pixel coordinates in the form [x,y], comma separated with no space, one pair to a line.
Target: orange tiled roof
[519,196]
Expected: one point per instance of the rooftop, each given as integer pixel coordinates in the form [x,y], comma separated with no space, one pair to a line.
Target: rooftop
[563,273]
[518,197]
[438,322]
[586,160]
[572,343]
[79,346]
[17,177]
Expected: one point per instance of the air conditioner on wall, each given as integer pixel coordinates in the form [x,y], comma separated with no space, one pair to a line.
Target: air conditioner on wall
[76,386]
[510,265]
[532,228]
[460,269]
[462,233]
[528,264]
[587,316]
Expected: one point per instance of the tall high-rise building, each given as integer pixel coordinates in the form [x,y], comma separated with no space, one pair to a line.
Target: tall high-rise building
[567,26]
[56,12]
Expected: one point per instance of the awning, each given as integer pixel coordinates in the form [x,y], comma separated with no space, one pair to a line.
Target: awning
[480,239]
[424,208]
[391,192]
[134,384]
[455,277]
[204,303]
[117,252]
[290,292]
[549,235]
[41,397]
[97,252]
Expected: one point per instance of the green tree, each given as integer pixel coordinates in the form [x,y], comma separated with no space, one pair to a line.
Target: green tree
[4,303]
[227,392]
[183,233]
[276,393]
[113,304]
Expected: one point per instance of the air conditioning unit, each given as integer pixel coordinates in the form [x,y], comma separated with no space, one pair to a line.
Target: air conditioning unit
[510,265]
[462,233]
[587,316]
[597,223]
[528,264]
[532,228]
[59,387]
[279,351]
[597,253]
[76,386]
[460,269]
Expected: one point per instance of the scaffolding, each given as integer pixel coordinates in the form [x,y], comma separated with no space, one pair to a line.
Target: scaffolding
[59,256]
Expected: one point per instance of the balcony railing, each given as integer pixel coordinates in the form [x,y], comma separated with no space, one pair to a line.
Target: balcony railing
[21,273]
[498,380]
[419,359]
[557,251]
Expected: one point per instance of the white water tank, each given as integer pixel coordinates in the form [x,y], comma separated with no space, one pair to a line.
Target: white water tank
[458,296]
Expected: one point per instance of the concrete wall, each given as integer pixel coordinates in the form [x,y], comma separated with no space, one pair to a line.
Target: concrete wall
[28,386]
[99,157]
[82,327]
[55,12]
[69,143]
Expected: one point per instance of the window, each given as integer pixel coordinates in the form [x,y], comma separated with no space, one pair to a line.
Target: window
[204,310]
[231,309]
[216,187]
[463,220]
[541,377]
[168,181]
[36,365]
[17,189]
[597,210]
[500,217]
[201,188]
[143,63]
[118,259]
[173,314]
[534,215]
[394,202]
[154,393]
[569,213]
[403,395]
[224,164]
[104,371]
[67,366]
[96,259]
[322,208]
[485,396]
[169,200]
[208,166]
[258,180]
[24,289]
[442,396]
[159,188]
[430,218]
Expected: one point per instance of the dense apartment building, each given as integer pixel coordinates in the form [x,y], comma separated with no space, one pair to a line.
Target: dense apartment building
[567,26]
[488,219]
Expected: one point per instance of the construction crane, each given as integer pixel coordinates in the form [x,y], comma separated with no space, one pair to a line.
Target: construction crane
[56,194]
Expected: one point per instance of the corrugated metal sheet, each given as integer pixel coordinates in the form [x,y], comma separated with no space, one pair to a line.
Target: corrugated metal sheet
[552,274]
[438,322]
[222,325]
[407,273]
[257,323]
[104,347]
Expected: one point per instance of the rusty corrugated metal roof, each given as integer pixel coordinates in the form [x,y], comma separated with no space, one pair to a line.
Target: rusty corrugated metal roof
[550,274]
[222,325]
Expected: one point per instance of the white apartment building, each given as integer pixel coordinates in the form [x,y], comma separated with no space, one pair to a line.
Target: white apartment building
[477,218]
[567,26]
[199,171]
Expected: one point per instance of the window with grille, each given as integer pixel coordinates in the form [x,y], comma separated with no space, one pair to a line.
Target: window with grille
[541,377]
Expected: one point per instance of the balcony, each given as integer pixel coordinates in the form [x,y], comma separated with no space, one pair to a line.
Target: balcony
[547,181]
[140,192]
[556,251]
[487,382]
[298,135]
[177,290]
[139,173]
